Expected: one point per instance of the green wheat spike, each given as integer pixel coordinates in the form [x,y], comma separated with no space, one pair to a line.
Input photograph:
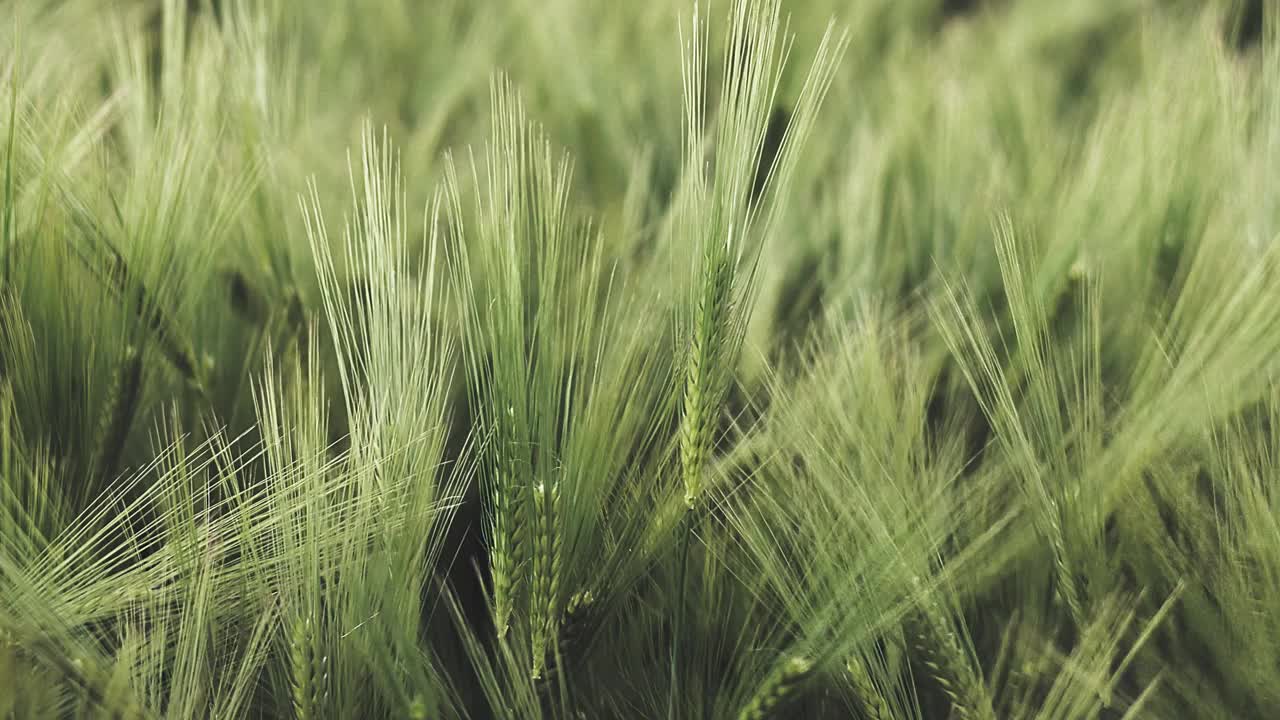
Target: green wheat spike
[780,687]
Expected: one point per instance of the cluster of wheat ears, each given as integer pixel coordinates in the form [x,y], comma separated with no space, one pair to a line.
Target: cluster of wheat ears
[741,359]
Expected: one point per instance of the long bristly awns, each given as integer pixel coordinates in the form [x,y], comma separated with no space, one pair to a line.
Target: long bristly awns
[680,359]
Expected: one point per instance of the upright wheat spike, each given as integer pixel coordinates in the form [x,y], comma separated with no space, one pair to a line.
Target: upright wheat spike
[705,381]
[546,570]
[118,412]
[308,670]
[780,686]
[508,531]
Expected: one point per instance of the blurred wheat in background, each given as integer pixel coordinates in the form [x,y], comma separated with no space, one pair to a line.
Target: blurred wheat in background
[742,359]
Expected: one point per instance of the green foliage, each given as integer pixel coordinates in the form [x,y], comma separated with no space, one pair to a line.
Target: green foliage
[588,359]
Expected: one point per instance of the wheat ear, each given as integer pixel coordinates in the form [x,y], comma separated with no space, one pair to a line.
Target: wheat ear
[308,670]
[507,551]
[117,415]
[705,379]
[869,696]
[546,571]
[950,667]
[576,618]
[778,688]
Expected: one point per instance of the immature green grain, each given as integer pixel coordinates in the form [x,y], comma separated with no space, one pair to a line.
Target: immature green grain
[418,708]
[779,688]
[1067,585]
[950,667]
[118,693]
[308,670]
[546,571]
[872,700]
[119,699]
[576,619]
[506,555]
[143,304]
[118,413]
[83,672]
[706,378]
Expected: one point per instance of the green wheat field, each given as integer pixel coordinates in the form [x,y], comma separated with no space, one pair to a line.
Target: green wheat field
[661,359]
